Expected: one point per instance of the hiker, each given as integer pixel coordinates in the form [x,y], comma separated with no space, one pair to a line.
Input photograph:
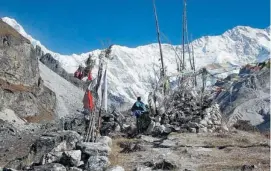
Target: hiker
[137,110]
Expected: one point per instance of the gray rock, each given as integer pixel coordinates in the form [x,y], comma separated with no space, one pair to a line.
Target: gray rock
[167,130]
[193,124]
[201,126]
[78,124]
[163,164]
[158,129]
[209,122]
[117,128]
[149,138]
[168,144]
[115,168]
[193,130]
[50,167]
[71,158]
[74,169]
[217,122]
[94,149]
[203,122]
[143,168]
[150,128]
[97,163]
[248,167]
[53,142]
[51,157]
[105,140]
[157,119]
[203,130]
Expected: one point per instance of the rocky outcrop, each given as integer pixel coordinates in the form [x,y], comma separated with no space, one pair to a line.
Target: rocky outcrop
[246,96]
[55,66]
[21,88]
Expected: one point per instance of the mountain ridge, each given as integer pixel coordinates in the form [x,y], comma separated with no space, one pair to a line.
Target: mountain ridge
[12,22]
[131,69]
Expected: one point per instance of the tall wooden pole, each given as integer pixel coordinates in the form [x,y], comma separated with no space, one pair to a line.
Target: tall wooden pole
[158,38]
[183,35]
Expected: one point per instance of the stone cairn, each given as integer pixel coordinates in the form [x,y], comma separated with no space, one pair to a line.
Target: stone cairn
[187,111]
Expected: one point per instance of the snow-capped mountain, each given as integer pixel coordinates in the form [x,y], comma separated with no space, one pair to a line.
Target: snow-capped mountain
[131,69]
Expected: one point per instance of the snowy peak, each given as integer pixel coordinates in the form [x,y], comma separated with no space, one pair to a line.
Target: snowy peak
[13,23]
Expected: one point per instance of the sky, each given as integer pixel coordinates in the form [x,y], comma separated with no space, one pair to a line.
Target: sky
[77,26]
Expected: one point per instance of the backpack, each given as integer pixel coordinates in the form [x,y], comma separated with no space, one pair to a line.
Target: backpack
[138,105]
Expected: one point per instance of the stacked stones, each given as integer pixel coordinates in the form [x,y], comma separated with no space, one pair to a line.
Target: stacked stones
[65,151]
[187,112]
[112,123]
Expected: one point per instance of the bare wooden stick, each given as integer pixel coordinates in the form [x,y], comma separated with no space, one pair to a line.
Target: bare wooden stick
[159,42]
[89,127]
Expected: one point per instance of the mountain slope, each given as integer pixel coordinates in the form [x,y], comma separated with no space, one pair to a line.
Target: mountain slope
[132,69]
[247,97]
[68,97]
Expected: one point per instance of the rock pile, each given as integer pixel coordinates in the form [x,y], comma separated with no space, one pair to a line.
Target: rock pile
[76,123]
[187,112]
[65,150]
[113,122]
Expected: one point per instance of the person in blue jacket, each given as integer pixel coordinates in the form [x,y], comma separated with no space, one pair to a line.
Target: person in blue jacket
[137,110]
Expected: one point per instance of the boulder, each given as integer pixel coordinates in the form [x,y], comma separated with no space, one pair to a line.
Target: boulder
[52,157]
[168,129]
[71,158]
[53,142]
[94,149]
[97,163]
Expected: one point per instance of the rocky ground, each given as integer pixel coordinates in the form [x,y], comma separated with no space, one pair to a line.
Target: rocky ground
[45,147]
[232,151]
